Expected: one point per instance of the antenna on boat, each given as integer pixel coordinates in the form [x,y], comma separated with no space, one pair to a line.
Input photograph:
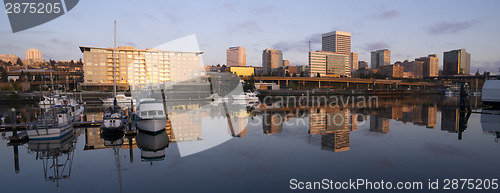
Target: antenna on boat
[114,63]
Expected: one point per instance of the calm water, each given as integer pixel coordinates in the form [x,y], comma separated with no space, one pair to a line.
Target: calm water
[409,139]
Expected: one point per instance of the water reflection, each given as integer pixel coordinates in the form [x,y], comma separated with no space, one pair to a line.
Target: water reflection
[202,124]
[56,155]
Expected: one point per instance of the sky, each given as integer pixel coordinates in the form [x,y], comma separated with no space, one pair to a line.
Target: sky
[410,29]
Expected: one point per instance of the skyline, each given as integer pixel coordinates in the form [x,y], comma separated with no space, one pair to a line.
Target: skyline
[409,29]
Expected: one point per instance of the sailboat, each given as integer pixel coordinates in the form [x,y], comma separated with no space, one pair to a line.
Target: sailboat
[114,117]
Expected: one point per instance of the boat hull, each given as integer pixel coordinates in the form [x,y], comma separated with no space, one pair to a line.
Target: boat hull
[52,133]
[151,125]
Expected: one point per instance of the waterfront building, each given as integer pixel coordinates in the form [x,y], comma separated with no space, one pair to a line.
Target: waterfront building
[456,62]
[354,62]
[33,56]
[271,60]
[329,64]
[336,41]
[9,58]
[236,56]
[243,70]
[362,64]
[395,71]
[380,58]
[430,65]
[138,66]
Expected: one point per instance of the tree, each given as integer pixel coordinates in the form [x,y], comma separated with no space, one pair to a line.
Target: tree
[22,77]
[318,75]
[5,76]
[19,62]
[38,77]
[72,63]
[287,74]
[29,77]
[294,74]
[301,74]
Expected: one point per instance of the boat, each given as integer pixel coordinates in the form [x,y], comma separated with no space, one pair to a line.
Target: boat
[152,145]
[122,101]
[246,96]
[54,124]
[491,93]
[56,101]
[150,115]
[56,155]
[114,118]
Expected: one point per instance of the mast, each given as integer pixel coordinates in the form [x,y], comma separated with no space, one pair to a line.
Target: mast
[114,63]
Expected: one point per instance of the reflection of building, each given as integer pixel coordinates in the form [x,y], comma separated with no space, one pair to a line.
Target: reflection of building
[236,56]
[93,140]
[450,119]
[186,122]
[378,124]
[337,141]
[272,122]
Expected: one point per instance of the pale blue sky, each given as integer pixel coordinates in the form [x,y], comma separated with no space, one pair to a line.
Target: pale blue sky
[409,29]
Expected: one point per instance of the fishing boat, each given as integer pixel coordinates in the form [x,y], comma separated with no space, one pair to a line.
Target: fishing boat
[150,115]
[491,93]
[246,96]
[54,124]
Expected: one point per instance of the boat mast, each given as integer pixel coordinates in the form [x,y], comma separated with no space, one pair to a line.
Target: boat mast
[114,63]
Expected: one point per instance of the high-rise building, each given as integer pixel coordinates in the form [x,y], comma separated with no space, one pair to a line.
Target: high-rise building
[354,61]
[236,56]
[380,58]
[395,71]
[329,64]
[430,65]
[271,60]
[456,62]
[138,66]
[362,65]
[336,41]
[33,56]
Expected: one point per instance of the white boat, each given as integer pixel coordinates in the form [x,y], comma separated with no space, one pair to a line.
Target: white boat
[246,96]
[491,93]
[122,101]
[113,121]
[54,124]
[150,115]
[152,146]
[76,109]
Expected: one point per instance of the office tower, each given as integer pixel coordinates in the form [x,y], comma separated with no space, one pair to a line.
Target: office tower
[430,65]
[456,62]
[271,60]
[362,64]
[395,71]
[33,56]
[337,41]
[354,61]
[236,56]
[329,64]
[380,58]
[138,66]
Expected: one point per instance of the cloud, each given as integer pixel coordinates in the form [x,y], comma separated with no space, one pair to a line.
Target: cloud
[301,46]
[57,41]
[248,27]
[172,17]
[375,46]
[386,14]
[446,150]
[264,9]
[450,27]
